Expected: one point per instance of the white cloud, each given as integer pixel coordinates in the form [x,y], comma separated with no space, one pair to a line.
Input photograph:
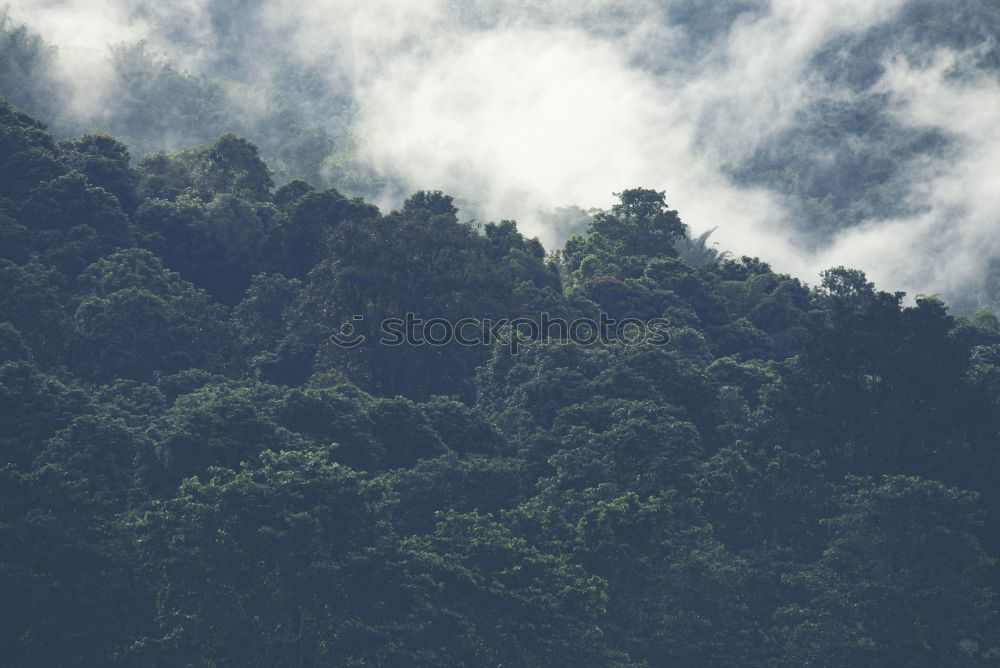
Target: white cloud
[948,246]
[533,116]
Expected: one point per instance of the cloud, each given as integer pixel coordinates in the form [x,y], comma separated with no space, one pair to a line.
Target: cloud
[949,246]
[83,43]
[534,115]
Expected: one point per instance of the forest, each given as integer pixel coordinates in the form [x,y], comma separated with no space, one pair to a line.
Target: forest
[193,473]
[867,127]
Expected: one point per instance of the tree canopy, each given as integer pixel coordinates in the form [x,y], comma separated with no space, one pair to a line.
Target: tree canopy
[192,473]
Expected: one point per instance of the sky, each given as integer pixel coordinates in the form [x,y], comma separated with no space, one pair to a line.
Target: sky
[519,108]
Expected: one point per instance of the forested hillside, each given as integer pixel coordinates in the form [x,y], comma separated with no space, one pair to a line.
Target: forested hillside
[844,132]
[194,473]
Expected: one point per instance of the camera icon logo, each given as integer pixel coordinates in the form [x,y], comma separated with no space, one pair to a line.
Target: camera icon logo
[347,336]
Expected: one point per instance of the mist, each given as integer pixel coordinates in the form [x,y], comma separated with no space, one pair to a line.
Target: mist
[521,109]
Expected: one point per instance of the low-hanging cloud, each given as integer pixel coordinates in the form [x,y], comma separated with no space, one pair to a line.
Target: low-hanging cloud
[949,247]
[527,117]
[520,108]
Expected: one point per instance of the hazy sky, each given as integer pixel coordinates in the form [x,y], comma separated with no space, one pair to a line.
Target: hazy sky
[517,108]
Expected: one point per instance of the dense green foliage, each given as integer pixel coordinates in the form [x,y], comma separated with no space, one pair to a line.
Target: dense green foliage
[193,474]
